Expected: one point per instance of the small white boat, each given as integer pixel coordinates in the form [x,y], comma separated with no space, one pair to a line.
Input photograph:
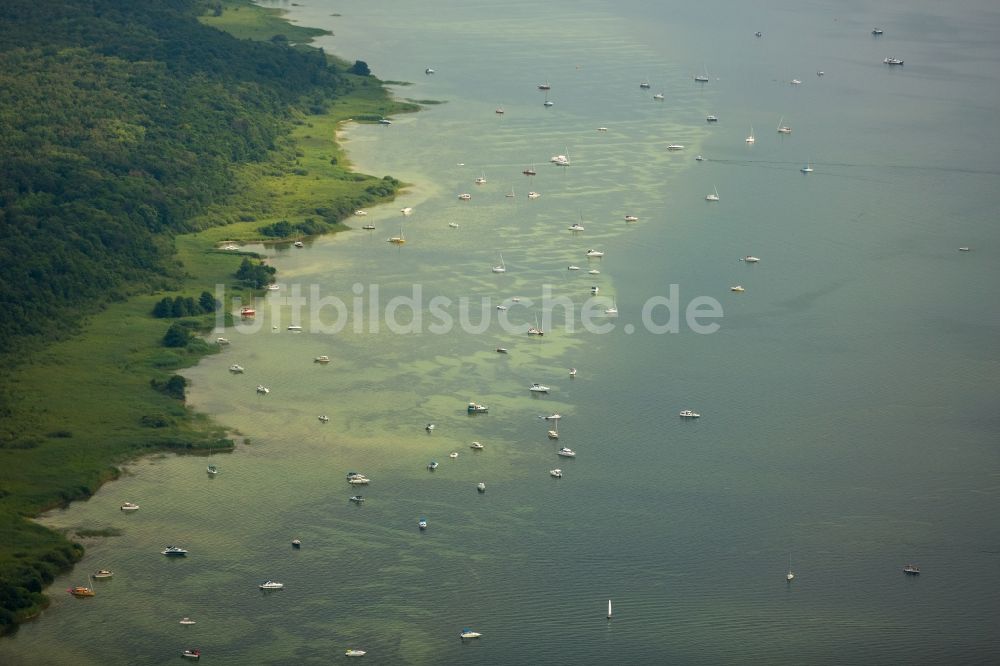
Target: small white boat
[323,358]
[688,414]
[595,290]
[174,551]
[807,168]
[501,307]
[602,129]
[357,499]
[501,267]
[737,288]
[566,452]
[355,653]
[595,253]
[299,244]
[262,390]
[359,480]
[102,574]
[964,249]
[192,654]
[323,418]
[499,111]
[877,31]
[593,271]
[533,195]
[544,86]
[552,417]
[501,350]
[222,341]
[481,487]
[273,287]
[429,427]
[186,621]
[453,225]
[572,372]
[538,388]
[464,196]
[236,369]
[432,465]
[609,609]
[384,121]
[476,446]
[369,227]
[576,226]
[547,103]
[572,268]
[631,218]
[555,473]
[553,434]
[130,506]
[711,119]
[658,96]
[429,70]
[406,211]
[212,470]
[698,158]
[783,129]
[795,82]
[295,327]
[271,585]
[422,523]
[893,61]
[675,147]
[469,633]
[360,213]
[714,196]
[820,73]
[750,259]
[644,85]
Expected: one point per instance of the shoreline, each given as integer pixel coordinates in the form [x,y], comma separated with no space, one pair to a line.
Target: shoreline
[204,265]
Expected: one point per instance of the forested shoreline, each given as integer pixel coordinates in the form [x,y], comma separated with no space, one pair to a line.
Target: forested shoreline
[123,124]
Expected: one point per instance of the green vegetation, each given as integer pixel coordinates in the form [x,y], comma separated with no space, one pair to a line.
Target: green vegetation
[137,137]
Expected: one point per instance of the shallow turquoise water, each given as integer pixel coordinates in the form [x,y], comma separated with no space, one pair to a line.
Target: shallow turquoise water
[848,397]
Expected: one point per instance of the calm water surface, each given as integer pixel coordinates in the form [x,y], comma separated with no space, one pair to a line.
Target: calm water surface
[848,399]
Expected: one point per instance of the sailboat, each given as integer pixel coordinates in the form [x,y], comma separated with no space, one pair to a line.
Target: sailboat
[547,103]
[510,195]
[714,196]
[702,78]
[783,129]
[751,139]
[609,609]
[397,240]
[613,310]
[501,268]
[789,576]
[807,168]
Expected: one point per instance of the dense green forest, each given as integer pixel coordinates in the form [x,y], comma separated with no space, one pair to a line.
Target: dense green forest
[124,123]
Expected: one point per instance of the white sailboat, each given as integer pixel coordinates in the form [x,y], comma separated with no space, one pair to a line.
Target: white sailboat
[714,196]
[807,168]
[501,267]
[397,240]
[783,129]
[789,576]
[702,78]
[750,139]
[609,609]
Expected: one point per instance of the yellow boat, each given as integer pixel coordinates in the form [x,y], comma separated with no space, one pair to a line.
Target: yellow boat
[81,591]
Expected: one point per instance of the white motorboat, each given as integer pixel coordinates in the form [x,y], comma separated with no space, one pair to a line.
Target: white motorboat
[360,213]
[359,480]
[501,350]
[236,369]
[406,211]
[644,85]
[295,328]
[675,147]
[186,621]
[538,388]
[714,196]
[369,227]
[174,551]
[469,633]
[481,180]
[576,226]
[595,290]
[711,119]
[323,358]
[553,434]
[271,585]
[566,452]
[323,418]
[738,288]
[556,473]
[273,287]
[222,341]
[130,506]
[658,96]
[688,414]
[432,465]
[750,259]
[212,470]
[602,129]
[533,195]
[552,417]
[631,218]
[795,82]
[476,446]
[299,244]
[593,271]
[501,307]
[893,61]
[572,372]
[422,523]
[429,427]
[807,168]
[355,653]
[453,225]
[464,196]
[595,253]
[481,487]
[429,70]
[572,268]
[698,158]
[544,86]
[262,390]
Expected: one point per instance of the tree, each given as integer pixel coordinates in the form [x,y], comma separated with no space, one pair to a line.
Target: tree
[360,67]
[176,336]
[207,302]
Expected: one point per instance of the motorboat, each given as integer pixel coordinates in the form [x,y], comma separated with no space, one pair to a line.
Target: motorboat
[675,147]
[593,271]
[481,487]
[576,226]
[247,312]
[534,330]
[299,244]
[555,473]
[533,195]
[453,455]
[538,388]
[422,523]
[103,573]
[273,287]
[544,86]
[644,85]
[559,160]
[130,506]
[572,372]
[355,653]
[553,434]
[595,290]
[407,210]
[688,414]
[501,308]
[360,212]
[631,218]
[476,408]
[263,390]
[499,111]
[369,227]
[711,119]
[271,585]
[572,268]
[453,225]
[501,350]
[566,452]
[877,31]
[384,121]
[296,543]
[432,465]
[807,168]
[750,259]
[547,103]
[476,446]
[359,480]
[322,359]
[429,70]
[964,249]
[464,196]
[81,591]
[795,82]
[186,621]
[911,570]
[294,327]
[893,61]
[758,34]
[323,418]
[602,129]
[236,369]
[658,96]
[212,470]
[194,654]
[738,288]
[174,551]
[222,341]
[481,180]
[357,499]
[701,78]
[595,253]
[552,417]
[698,158]
[469,633]
[429,427]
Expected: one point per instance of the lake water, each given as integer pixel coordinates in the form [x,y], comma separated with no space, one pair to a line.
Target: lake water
[848,398]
